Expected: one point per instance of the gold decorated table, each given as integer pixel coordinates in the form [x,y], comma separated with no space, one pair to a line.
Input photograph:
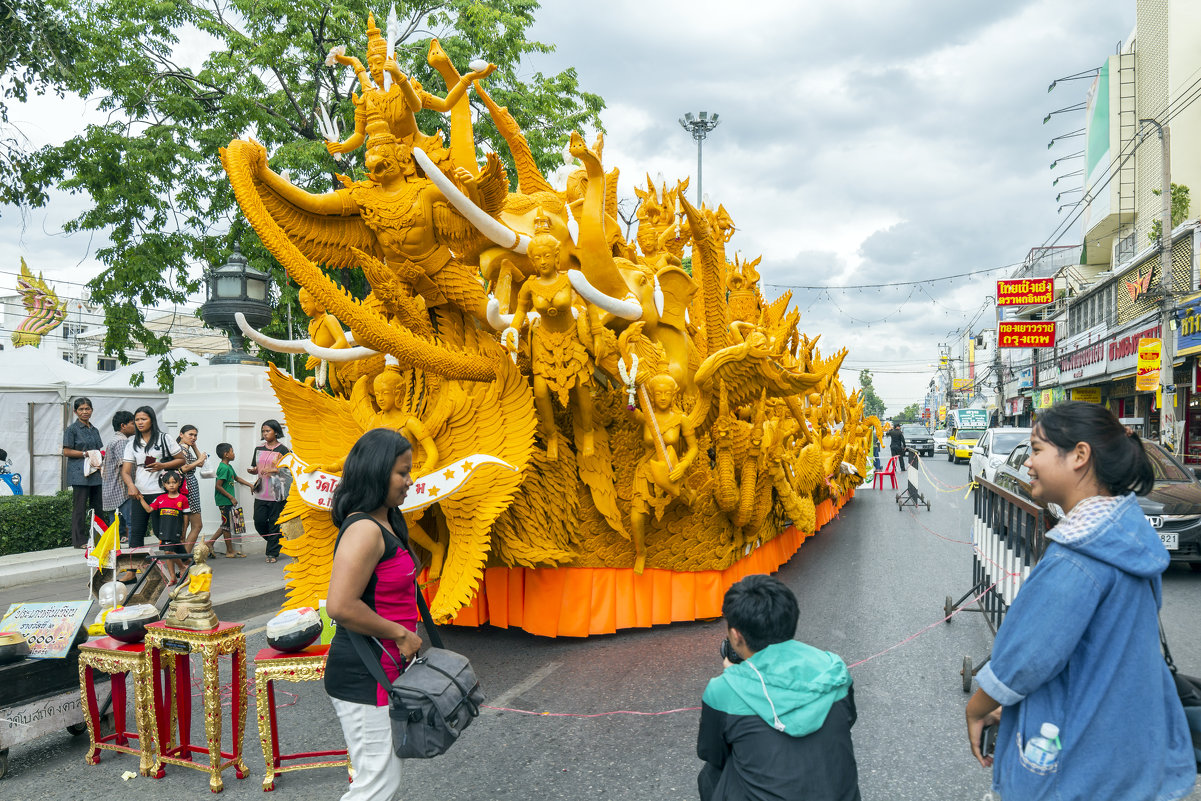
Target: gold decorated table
[271,666]
[177,645]
[119,660]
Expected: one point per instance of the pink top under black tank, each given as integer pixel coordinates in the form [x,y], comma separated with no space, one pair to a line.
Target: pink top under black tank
[391,592]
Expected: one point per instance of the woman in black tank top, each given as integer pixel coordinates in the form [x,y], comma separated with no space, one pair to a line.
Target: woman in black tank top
[371,553]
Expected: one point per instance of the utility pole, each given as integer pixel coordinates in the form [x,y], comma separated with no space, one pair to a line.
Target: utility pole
[1167,386]
[699,127]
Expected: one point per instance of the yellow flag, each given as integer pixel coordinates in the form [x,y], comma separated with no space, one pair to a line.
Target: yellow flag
[108,541]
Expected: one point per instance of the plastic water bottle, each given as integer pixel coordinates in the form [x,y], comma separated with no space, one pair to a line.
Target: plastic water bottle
[1044,749]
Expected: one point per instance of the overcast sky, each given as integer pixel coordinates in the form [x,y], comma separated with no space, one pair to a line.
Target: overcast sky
[862,142]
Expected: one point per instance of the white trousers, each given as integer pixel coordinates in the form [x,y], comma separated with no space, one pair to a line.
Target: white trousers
[368,734]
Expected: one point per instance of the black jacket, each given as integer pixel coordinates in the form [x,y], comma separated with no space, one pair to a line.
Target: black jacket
[767,765]
[896,440]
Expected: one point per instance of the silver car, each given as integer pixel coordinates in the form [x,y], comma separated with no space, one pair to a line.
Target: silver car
[992,449]
[940,441]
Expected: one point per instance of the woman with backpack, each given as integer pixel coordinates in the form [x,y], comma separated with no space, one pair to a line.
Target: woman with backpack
[1090,707]
[148,452]
[372,591]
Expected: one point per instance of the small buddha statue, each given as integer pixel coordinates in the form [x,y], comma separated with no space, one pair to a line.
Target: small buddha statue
[191,605]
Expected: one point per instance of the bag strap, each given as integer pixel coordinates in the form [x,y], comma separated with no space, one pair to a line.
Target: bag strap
[1167,653]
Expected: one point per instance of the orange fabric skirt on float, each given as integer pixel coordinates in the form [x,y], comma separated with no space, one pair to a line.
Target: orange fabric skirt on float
[582,601]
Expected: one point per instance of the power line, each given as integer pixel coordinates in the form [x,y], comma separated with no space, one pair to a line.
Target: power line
[896,283]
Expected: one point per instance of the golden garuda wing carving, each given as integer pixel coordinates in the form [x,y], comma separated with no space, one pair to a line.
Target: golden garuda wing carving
[322,239]
[496,419]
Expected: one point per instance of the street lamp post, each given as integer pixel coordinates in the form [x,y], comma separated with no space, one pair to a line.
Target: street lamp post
[699,127]
[236,287]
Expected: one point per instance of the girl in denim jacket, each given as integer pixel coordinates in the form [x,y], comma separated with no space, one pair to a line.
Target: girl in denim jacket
[1079,647]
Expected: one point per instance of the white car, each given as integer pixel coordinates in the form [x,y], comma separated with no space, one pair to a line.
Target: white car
[940,441]
[991,451]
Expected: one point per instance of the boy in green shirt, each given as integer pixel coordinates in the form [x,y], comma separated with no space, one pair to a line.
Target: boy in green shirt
[227,503]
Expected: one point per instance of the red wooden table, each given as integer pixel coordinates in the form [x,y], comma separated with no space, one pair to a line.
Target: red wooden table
[271,666]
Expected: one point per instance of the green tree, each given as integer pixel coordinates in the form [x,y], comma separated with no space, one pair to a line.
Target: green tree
[907,415]
[153,173]
[36,50]
[872,404]
[1180,207]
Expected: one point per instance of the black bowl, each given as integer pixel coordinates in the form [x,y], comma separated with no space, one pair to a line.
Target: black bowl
[294,632]
[13,648]
[130,626]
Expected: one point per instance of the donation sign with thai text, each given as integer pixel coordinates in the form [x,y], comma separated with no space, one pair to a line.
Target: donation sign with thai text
[49,628]
[1026,335]
[1025,292]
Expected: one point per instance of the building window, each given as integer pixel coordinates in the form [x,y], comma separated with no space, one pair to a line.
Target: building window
[104,365]
[76,358]
[73,330]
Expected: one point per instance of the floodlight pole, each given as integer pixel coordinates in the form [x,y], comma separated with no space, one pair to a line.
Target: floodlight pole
[699,126]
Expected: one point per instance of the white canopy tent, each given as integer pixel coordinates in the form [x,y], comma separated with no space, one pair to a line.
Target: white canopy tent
[36,391]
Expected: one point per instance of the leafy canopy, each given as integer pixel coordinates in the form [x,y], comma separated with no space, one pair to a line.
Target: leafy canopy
[153,172]
[872,403]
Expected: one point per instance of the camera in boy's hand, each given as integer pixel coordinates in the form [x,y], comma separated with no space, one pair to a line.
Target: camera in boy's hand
[728,653]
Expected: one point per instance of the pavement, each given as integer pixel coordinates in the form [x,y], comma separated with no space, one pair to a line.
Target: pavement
[241,587]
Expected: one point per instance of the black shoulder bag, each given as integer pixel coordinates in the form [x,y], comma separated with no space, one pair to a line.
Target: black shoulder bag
[433,700]
[1189,690]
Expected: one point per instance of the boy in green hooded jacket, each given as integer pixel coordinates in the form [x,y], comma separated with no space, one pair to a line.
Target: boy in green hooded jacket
[776,724]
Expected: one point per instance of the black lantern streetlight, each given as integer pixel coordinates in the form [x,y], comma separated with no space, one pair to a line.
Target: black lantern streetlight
[231,288]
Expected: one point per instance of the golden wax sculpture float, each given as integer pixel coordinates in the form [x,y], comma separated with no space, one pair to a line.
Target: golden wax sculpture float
[602,440]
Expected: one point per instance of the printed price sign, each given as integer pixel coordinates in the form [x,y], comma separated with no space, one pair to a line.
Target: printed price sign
[49,628]
[1026,335]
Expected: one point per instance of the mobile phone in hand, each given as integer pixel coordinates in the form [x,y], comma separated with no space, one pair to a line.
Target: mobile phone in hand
[988,740]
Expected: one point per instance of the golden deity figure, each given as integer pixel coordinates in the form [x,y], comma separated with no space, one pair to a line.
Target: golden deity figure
[398,103]
[406,214]
[326,332]
[191,604]
[659,476]
[559,339]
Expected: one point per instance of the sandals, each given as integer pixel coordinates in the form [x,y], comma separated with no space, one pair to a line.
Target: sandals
[271,559]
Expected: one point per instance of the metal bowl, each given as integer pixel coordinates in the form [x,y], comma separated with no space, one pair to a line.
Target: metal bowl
[13,647]
[293,629]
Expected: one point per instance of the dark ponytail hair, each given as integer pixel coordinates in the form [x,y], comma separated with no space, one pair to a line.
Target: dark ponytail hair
[367,474]
[1118,458]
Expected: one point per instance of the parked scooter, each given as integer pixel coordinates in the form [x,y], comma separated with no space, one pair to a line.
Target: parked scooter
[10,482]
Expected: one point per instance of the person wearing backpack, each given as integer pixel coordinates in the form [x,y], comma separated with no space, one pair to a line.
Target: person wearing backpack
[371,592]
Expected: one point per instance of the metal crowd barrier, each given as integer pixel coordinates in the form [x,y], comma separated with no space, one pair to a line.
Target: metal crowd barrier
[1008,538]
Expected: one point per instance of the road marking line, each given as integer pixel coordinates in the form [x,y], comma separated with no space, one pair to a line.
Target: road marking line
[528,683]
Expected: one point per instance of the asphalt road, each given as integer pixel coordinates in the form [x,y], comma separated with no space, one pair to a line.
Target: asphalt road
[872,580]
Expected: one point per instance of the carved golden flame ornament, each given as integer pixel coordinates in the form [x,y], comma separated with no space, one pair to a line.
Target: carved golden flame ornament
[653,430]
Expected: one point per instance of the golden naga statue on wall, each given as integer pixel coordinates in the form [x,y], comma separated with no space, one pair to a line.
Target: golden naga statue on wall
[602,438]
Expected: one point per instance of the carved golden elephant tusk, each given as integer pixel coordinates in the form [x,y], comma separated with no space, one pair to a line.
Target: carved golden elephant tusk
[627,308]
[278,345]
[498,232]
[339,354]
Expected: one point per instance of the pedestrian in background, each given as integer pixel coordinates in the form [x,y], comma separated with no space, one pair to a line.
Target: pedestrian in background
[1079,646]
[115,497]
[193,460]
[80,438]
[148,452]
[896,444]
[271,486]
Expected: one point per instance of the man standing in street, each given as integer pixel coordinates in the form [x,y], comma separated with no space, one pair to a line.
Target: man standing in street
[896,444]
[777,722]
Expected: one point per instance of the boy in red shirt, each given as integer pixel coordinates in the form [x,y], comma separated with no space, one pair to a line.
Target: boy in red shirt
[172,508]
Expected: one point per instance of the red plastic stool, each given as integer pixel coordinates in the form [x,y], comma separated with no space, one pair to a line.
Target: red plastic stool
[889,471]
